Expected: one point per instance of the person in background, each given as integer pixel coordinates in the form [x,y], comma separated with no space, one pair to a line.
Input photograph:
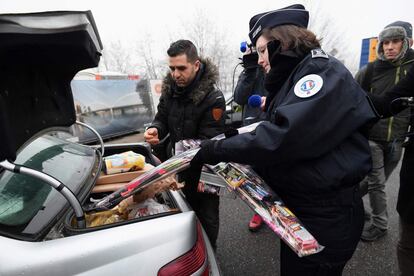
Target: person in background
[311,150]
[388,104]
[191,107]
[251,83]
[394,58]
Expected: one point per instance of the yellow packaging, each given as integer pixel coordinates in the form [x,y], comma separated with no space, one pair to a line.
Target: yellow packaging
[124,162]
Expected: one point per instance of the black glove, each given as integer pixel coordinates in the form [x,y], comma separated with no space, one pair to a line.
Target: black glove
[283,60]
[250,60]
[273,48]
[191,176]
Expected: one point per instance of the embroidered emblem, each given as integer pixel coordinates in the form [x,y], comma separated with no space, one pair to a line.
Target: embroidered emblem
[319,53]
[217,113]
[308,86]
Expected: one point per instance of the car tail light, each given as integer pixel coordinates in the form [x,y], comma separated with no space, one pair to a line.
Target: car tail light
[190,262]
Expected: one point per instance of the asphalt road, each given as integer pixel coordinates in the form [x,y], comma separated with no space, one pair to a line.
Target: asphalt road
[241,252]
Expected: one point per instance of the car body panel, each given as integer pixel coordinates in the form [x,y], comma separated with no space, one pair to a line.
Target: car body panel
[133,249]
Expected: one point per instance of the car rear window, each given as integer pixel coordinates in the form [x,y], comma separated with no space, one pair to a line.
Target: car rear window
[28,204]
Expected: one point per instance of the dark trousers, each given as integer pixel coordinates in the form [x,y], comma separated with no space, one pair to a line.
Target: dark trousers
[338,228]
[206,207]
[405,249]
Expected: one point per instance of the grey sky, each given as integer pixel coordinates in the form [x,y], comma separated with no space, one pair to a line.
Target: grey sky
[128,19]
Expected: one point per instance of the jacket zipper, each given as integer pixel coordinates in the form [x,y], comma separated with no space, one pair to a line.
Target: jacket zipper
[391,120]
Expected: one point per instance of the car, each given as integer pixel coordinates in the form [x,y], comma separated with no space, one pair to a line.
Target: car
[46,179]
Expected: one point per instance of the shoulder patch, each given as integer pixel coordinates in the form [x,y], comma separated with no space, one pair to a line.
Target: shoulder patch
[319,53]
[308,86]
[217,113]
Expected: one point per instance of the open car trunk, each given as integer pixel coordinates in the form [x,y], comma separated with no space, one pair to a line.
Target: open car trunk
[162,204]
[40,53]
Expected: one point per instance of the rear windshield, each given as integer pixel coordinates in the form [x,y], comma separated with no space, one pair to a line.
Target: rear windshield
[28,204]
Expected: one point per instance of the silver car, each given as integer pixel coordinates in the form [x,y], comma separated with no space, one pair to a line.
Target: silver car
[45,179]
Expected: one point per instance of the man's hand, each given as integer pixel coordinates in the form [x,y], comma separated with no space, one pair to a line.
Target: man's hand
[151,136]
[263,103]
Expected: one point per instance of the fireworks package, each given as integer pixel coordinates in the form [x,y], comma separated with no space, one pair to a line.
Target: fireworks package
[258,196]
[253,190]
[242,180]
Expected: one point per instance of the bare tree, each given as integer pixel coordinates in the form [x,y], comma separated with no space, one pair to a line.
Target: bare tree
[213,43]
[147,60]
[118,57]
[334,39]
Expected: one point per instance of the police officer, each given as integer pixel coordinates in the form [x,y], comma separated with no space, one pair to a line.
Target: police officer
[311,150]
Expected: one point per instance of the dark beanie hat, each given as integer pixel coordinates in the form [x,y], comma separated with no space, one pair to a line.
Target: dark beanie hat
[291,15]
[407,27]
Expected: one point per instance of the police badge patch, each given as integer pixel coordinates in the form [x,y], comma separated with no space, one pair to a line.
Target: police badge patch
[308,86]
[319,53]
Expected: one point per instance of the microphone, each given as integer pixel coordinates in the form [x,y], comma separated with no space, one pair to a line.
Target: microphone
[243,46]
[255,100]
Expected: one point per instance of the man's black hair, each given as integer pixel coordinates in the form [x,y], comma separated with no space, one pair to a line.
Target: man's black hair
[181,47]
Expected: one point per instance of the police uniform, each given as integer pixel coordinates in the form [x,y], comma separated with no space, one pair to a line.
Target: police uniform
[312,151]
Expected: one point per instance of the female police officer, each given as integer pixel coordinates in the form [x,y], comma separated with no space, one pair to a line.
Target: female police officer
[311,150]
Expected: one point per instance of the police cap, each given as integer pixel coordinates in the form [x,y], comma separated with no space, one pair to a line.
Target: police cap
[291,15]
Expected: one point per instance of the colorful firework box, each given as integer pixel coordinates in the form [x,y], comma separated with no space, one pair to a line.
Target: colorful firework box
[252,189]
[239,178]
[258,196]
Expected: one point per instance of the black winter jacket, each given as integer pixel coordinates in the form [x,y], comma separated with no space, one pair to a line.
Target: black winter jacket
[251,81]
[405,88]
[198,113]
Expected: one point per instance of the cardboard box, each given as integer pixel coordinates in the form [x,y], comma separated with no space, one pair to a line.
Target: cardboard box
[121,177]
[108,187]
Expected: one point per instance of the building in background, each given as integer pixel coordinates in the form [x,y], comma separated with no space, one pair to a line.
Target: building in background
[368,51]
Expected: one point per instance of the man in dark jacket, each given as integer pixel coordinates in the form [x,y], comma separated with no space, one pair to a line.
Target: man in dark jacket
[311,150]
[394,57]
[191,107]
[395,100]
[251,83]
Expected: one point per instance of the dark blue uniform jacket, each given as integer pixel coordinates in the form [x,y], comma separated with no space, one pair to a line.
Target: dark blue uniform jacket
[311,148]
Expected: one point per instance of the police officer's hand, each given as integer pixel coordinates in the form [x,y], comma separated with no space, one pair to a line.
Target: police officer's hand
[151,136]
[204,156]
